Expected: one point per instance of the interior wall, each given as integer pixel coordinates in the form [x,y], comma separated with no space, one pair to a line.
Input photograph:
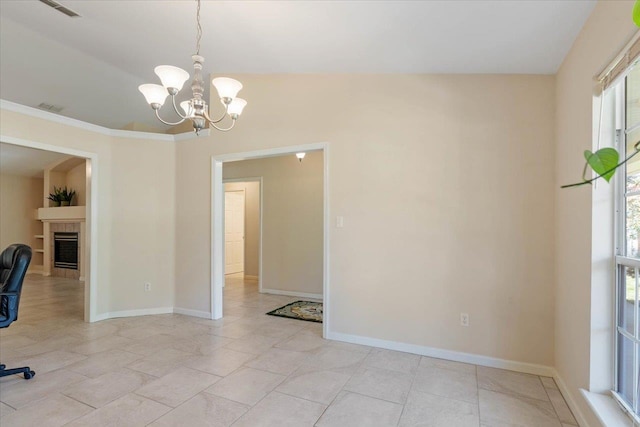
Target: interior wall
[135,209]
[20,196]
[292,220]
[251,225]
[445,183]
[579,251]
[76,179]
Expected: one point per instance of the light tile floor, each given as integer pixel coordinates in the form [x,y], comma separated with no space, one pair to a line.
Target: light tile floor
[248,369]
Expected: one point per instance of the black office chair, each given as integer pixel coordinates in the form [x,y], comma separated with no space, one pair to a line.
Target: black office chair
[14,262]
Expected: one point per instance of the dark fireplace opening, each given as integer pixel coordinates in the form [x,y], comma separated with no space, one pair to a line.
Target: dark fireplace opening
[65,253]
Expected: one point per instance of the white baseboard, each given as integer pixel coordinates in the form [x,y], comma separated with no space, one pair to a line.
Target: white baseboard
[100,317]
[250,277]
[133,313]
[194,313]
[291,294]
[570,399]
[456,356]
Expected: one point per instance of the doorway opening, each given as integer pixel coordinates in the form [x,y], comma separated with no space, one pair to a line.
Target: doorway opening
[76,170]
[234,231]
[220,229]
[243,228]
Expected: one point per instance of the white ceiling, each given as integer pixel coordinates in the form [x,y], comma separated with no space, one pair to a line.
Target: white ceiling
[23,161]
[92,65]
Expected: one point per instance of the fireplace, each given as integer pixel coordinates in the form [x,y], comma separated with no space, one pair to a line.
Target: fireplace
[65,253]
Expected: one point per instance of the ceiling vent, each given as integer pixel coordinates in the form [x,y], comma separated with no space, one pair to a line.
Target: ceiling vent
[50,107]
[60,8]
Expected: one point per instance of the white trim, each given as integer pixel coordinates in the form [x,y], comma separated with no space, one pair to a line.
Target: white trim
[134,313]
[119,133]
[217,231]
[91,237]
[217,239]
[606,410]
[270,152]
[570,399]
[475,359]
[291,294]
[326,240]
[193,313]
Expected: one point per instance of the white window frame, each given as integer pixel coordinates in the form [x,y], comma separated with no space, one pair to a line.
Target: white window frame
[621,259]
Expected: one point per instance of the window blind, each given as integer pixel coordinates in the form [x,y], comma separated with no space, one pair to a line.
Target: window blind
[621,64]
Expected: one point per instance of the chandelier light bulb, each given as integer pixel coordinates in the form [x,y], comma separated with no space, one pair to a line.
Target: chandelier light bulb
[236,106]
[186,107]
[154,94]
[172,77]
[226,87]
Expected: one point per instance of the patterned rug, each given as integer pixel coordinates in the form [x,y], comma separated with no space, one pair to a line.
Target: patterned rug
[301,310]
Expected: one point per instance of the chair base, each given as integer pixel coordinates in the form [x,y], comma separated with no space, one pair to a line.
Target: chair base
[26,371]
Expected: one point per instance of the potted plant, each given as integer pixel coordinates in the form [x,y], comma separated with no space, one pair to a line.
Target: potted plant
[66,196]
[61,196]
[55,197]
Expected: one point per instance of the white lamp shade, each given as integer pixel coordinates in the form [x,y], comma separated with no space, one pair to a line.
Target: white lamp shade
[300,156]
[186,107]
[171,77]
[226,87]
[154,94]
[236,106]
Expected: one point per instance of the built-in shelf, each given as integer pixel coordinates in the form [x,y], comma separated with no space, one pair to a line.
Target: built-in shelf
[62,213]
[39,236]
[39,250]
[36,268]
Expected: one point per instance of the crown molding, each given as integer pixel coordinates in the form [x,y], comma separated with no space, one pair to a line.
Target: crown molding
[79,124]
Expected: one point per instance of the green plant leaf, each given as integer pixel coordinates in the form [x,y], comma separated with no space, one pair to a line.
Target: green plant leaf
[636,13]
[603,160]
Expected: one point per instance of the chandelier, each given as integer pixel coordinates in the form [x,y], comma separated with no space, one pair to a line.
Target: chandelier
[195,109]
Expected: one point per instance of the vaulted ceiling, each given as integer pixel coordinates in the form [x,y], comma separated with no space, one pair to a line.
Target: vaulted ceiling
[92,65]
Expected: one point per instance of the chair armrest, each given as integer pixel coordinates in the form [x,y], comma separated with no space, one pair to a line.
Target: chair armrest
[9,294]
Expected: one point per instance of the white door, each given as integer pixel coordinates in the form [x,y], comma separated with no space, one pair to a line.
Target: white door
[234,231]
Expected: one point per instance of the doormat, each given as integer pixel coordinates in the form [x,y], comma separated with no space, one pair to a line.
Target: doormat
[301,310]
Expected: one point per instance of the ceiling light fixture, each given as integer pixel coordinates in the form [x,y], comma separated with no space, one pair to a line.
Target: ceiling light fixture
[195,109]
[300,156]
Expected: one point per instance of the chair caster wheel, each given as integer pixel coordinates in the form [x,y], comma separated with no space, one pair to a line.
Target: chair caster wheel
[29,375]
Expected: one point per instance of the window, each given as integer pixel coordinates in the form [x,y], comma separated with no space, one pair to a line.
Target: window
[627,363]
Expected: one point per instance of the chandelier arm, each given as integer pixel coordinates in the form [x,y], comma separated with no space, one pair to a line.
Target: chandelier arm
[233,123]
[226,109]
[175,108]
[168,123]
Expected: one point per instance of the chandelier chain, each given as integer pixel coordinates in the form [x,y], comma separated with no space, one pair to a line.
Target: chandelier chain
[199,30]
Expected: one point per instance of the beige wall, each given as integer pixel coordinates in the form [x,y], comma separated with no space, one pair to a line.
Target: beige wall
[445,184]
[20,196]
[251,225]
[607,30]
[76,179]
[135,212]
[292,220]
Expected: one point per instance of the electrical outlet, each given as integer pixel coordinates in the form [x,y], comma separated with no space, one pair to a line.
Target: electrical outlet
[147,286]
[464,319]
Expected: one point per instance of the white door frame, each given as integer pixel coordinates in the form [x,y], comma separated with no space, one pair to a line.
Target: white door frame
[257,179]
[91,237]
[217,217]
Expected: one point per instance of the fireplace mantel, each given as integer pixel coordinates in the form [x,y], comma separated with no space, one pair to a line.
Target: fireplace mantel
[62,214]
